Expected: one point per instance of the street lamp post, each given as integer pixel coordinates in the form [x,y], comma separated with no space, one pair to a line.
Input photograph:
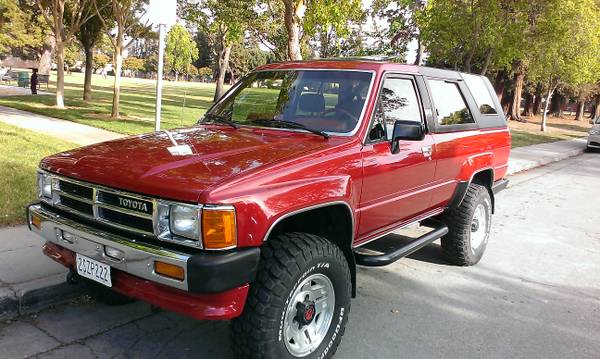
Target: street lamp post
[159,77]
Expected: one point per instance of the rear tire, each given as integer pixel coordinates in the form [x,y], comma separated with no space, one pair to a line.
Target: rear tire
[299,304]
[468,227]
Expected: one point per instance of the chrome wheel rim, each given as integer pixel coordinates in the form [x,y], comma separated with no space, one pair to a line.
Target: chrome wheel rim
[309,315]
[479,226]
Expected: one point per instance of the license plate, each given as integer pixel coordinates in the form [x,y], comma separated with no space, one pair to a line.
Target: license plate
[94,270]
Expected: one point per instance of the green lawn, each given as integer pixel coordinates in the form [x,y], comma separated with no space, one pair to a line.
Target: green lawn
[21,153]
[183,103]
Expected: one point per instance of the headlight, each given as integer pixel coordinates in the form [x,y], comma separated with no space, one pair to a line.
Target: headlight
[219,229]
[185,221]
[44,185]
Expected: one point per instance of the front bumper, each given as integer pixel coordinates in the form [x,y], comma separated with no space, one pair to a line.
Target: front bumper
[593,141]
[205,273]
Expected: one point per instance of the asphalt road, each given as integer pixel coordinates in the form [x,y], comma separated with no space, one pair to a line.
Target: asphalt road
[535,294]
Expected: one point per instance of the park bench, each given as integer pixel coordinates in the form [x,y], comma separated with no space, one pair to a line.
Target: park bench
[9,77]
[43,79]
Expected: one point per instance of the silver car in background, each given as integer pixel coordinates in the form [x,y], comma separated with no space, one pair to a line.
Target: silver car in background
[593,142]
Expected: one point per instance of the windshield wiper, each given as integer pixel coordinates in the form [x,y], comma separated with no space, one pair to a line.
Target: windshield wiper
[290,124]
[220,119]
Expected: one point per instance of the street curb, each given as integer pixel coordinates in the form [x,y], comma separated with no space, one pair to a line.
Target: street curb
[520,165]
[36,295]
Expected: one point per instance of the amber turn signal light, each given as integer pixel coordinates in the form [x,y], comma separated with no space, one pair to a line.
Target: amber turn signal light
[169,270]
[36,221]
[219,228]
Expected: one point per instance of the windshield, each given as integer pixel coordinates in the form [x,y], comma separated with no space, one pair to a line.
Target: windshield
[330,101]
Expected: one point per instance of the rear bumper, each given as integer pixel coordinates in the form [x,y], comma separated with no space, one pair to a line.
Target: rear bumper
[214,287]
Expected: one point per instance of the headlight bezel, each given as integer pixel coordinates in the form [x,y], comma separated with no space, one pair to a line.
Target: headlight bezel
[163,227]
[45,181]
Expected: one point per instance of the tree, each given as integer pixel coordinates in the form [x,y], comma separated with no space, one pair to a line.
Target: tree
[89,35]
[402,27]
[133,64]
[567,47]
[125,20]
[180,50]
[224,23]
[307,15]
[245,57]
[13,26]
[100,61]
[64,17]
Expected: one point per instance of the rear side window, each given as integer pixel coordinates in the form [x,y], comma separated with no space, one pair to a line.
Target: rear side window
[449,103]
[482,95]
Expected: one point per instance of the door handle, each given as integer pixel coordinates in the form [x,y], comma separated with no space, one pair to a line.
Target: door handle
[426,151]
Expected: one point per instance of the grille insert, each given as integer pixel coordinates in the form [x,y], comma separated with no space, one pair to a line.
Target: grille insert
[118,209]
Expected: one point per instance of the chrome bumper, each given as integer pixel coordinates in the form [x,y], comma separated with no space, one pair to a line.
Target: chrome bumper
[138,258]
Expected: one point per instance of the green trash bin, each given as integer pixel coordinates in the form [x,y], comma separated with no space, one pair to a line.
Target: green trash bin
[23,79]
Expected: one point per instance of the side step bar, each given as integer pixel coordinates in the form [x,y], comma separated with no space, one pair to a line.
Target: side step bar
[404,250]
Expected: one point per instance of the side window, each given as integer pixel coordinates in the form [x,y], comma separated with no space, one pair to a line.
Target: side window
[482,95]
[397,101]
[449,103]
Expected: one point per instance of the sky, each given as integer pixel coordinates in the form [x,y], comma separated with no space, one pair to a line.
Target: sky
[164,12]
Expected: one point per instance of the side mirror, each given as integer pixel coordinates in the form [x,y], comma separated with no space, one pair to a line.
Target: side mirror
[407,131]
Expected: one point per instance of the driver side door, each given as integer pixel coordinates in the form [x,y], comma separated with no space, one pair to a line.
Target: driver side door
[396,186]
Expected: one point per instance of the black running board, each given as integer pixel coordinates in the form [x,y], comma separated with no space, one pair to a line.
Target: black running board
[384,259]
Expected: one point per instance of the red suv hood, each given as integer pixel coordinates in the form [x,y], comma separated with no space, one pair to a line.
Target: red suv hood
[145,164]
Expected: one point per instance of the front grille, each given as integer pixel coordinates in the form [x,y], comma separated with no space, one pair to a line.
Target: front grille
[594,143]
[115,208]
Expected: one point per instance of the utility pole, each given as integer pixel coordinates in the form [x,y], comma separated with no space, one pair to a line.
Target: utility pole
[159,77]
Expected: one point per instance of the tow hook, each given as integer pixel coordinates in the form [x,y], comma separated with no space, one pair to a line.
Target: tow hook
[72,277]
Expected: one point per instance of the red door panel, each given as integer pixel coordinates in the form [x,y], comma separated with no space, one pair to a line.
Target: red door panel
[396,187]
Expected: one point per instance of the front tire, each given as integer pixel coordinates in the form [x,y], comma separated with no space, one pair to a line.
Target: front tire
[299,305]
[468,227]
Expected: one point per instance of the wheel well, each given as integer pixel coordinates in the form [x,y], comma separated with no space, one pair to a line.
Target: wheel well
[333,223]
[486,179]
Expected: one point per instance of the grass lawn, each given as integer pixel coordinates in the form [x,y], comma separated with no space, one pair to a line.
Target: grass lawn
[183,103]
[21,153]
[565,128]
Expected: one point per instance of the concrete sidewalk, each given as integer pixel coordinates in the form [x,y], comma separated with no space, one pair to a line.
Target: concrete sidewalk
[65,130]
[30,281]
[529,157]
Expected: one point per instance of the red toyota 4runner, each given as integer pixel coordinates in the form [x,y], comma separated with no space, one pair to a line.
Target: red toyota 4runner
[262,210]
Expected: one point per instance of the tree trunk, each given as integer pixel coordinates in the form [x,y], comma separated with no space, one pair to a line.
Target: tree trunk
[118,64]
[60,73]
[514,111]
[46,56]
[176,76]
[89,68]
[499,85]
[545,114]
[486,62]
[580,111]
[537,104]
[223,65]
[528,110]
[294,12]
[596,111]
[467,61]
[420,51]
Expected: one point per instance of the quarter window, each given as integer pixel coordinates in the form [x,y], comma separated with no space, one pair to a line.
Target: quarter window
[482,95]
[397,101]
[449,103]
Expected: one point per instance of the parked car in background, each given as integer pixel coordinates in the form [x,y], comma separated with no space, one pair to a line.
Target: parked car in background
[593,142]
[261,212]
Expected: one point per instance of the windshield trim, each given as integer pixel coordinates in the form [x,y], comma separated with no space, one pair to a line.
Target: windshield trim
[340,134]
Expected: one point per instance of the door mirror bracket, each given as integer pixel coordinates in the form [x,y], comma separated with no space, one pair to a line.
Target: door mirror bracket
[407,131]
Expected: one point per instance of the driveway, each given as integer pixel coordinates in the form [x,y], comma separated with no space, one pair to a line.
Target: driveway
[535,294]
